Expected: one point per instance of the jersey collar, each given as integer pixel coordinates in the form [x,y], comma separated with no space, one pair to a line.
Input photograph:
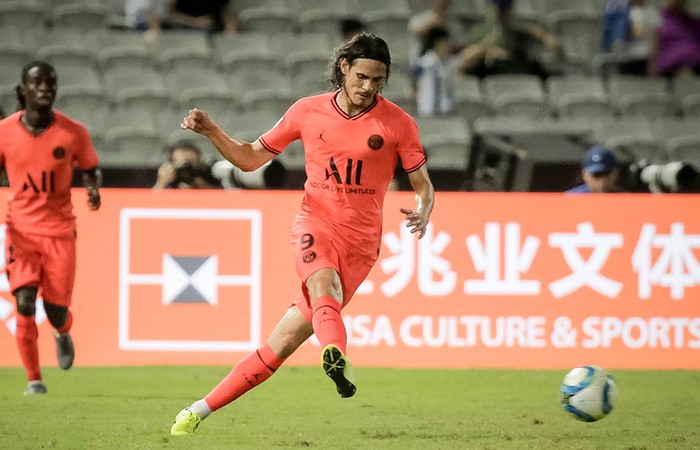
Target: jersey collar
[334,102]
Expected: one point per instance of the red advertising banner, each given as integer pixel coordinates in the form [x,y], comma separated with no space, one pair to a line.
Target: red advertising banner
[499,280]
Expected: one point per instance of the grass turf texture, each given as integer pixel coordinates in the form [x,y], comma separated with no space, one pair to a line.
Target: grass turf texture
[133,407]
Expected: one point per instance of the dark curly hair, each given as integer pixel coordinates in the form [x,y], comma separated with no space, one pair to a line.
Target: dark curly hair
[363,45]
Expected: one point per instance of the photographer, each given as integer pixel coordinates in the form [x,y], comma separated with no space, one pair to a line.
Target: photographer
[185,169]
[599,172]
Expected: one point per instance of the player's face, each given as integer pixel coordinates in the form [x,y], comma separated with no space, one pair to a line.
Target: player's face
[363,79]
[40,87]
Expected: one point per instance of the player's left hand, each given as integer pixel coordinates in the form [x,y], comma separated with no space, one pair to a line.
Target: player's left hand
[94,200]
[417,222]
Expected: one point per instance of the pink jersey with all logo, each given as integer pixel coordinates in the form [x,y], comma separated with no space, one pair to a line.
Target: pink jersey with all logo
[349,162]
[40,171]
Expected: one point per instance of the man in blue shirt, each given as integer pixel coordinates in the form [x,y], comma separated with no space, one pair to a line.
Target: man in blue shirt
[599,172]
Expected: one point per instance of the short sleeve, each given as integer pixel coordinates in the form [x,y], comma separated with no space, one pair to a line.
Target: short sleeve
[285,131]
[85,153]
[409,147]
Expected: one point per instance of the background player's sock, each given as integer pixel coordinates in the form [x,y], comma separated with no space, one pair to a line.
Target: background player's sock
[328,324]
[248,373]
[28,346]
[65,328]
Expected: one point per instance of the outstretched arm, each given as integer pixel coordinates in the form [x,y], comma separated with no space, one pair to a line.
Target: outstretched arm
[244,155]
[425,197]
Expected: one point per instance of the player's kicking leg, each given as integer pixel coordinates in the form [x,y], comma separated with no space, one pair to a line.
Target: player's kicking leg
[337,366]
[62,320]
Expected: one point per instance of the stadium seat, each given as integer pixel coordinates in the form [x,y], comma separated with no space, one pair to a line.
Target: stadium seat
[515,95]
[242,5]
[250,66]
[75,97]
[131,117]
[68,56]
[640,96]
[179,40]
[13,59]
[124,57]
[8,96]
[152,99]
[269,100]
[71,75]
[65,37]
[446,140]
[247,81]
[326,20]
[390,24]
[247,42]
[631,138]
[130,147]
[469,101]
[188,77]
[579,32]
[578,95]
[307,72]
[95,119]
[282,44]
[172,59]
[685,149]
[80,16]
[263,19]
[691,105]
[120,79]
[682,135]
[217,102]
[681,87]
[22,14]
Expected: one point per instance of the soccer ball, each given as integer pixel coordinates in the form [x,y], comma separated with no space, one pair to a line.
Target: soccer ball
[588,393]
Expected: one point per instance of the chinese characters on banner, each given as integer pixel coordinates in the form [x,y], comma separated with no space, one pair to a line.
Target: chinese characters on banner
[499,280]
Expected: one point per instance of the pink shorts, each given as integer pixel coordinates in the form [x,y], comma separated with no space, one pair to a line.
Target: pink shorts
[313,249]
[46,262]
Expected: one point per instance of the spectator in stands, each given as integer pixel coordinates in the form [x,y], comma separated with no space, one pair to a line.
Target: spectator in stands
[628,30]
[600,172]
[439,14]
[505,45]
[185,169]
[2,113]
[350,27]
[677,49]
[212,16]
[435,73]
[148,16]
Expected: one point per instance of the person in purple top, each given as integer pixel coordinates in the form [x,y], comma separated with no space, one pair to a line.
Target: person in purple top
[677,49]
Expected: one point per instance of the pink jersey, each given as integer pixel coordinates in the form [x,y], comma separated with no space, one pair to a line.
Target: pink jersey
[40,172]
[349,162]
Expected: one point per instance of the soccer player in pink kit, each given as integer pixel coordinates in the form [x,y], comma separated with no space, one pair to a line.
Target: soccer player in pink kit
[39,149]
[352,138]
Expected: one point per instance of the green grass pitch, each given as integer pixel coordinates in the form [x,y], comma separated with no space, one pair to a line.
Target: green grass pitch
[133,408]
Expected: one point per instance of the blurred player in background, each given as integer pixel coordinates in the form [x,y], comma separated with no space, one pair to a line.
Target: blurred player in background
[352,138]
[39,149]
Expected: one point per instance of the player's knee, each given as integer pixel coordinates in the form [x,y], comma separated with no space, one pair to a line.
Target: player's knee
[26,301]
[56,314]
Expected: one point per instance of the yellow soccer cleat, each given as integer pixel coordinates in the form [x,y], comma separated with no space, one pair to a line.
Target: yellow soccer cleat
[337,366]
[185,423]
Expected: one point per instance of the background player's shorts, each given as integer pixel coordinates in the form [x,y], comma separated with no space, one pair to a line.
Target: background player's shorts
[313,249]
[44,261]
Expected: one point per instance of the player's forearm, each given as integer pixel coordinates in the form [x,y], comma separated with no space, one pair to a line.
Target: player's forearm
[425,193]
[92,178]
[240,154]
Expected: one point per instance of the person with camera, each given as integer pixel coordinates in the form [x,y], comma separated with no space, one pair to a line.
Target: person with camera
[185,169]
[600,172]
